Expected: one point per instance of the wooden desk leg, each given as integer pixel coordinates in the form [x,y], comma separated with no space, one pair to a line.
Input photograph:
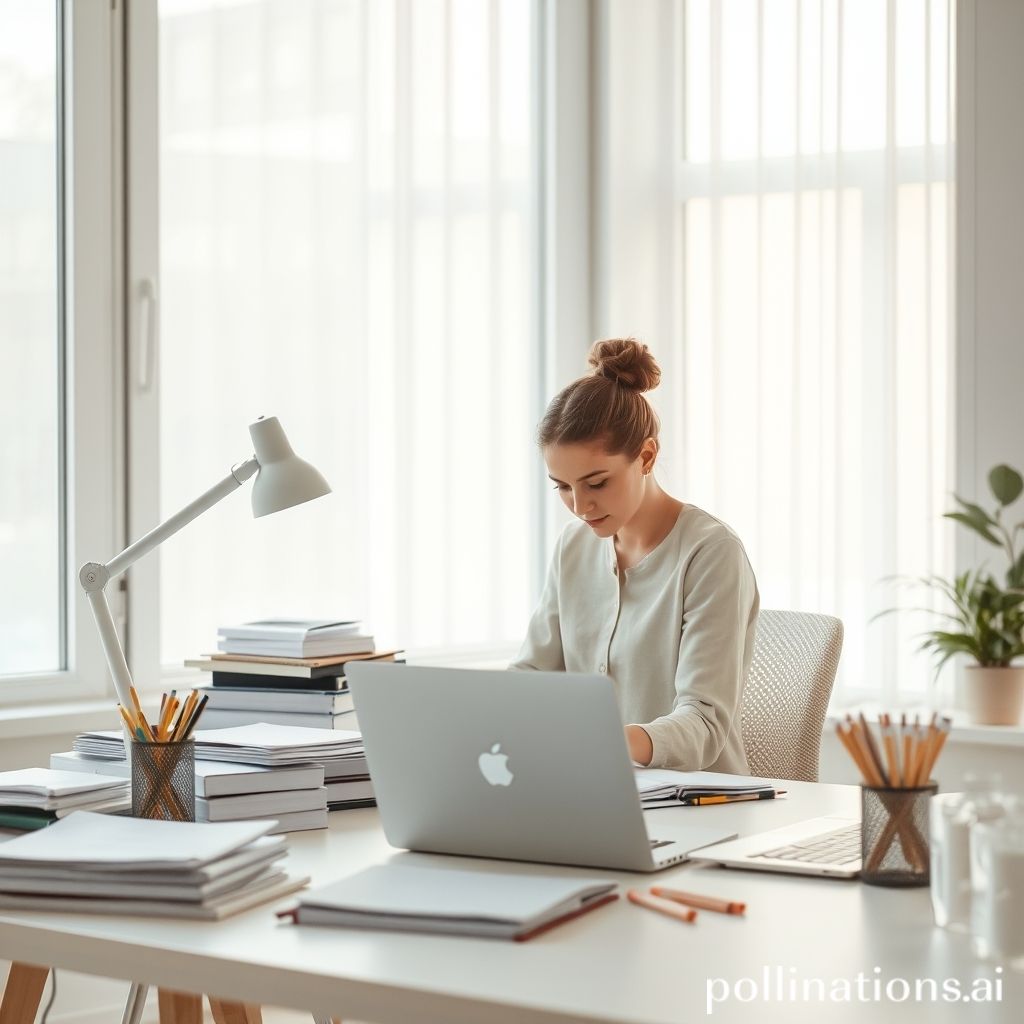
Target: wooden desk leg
[225,1012]
[22,993]
[179,1007]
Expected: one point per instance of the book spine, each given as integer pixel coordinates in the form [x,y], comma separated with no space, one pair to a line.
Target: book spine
[253,681]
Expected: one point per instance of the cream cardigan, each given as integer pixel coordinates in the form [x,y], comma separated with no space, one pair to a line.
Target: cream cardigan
[675,632]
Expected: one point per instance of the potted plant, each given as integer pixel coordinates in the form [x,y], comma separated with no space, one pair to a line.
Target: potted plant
[987,617]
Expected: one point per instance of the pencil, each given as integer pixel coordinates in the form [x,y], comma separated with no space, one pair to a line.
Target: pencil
[875,757]
[147,728]
[167,717]
[872,772]
[666,907]
[179,726]
[729,798]
[129,721]
[891,752]
[135,700]
[693,899]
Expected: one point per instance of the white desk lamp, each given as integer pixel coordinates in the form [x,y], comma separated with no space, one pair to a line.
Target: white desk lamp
[283,480]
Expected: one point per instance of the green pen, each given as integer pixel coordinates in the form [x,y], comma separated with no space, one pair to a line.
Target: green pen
[140,734]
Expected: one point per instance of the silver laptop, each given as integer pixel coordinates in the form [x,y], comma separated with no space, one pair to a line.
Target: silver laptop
[828,847]
[516,765]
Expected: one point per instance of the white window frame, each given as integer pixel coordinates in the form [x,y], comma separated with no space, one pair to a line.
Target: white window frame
[562,104]
[93,419]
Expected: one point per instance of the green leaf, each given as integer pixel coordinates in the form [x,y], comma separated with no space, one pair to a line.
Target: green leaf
[1006,484]
[976,512]
[980,527]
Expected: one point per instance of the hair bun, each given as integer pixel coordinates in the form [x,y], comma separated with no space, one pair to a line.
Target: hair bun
[627,362]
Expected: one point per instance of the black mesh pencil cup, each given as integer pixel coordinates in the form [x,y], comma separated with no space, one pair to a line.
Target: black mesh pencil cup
[894,835]
[164,780]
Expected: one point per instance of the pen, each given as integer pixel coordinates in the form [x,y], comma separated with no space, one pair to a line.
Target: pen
[693,899]
[731,798]
[666,907]
[194,718]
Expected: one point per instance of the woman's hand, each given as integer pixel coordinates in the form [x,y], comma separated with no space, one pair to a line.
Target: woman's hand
[641,749]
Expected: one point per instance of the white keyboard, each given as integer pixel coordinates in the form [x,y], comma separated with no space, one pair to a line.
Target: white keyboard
[840,846]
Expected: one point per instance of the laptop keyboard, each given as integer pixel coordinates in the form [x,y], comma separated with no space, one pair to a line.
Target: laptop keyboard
[838,847]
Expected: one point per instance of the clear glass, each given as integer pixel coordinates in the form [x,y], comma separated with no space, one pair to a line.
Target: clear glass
[31,524]
[997,889]
[346,242]
[952,815]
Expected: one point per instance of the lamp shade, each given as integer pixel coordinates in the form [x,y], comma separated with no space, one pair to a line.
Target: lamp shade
[283,479]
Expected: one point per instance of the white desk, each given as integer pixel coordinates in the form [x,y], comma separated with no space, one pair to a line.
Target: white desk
[621,963]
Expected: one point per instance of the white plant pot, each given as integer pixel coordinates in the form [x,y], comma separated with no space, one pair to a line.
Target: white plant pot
[994,696]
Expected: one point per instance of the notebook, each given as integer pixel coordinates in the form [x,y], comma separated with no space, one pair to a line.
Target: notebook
[660,787]
[109,843]
[213,778]
[96,863]
[450,901]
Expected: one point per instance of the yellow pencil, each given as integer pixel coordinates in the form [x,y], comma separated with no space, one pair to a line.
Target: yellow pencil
[129,721]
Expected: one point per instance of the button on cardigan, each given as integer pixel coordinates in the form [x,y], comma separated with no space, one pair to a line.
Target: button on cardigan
[675,633]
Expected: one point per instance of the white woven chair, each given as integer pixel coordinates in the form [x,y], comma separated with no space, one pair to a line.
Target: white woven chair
[786,695]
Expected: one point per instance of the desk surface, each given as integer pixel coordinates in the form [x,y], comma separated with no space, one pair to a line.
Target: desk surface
[621,963]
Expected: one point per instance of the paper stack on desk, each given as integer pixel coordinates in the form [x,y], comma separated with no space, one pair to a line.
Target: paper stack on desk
[294,796]
[32,798]
[339,753]
[105,864]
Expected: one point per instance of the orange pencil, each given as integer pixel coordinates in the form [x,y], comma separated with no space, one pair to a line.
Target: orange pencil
[666,907]
[129,721]
[693,899]
[183,718]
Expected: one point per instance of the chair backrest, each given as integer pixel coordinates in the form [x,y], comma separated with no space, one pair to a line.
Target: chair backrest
[786,695]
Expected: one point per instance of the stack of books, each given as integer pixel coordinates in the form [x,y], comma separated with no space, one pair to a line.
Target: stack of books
[108,864]
[294,797]
[309,692]
[295,638]
[31,798]
[338,754]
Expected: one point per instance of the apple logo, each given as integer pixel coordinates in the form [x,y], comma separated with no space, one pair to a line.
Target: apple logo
[494,767]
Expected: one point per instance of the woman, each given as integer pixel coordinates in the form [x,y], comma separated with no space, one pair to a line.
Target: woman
[657,594]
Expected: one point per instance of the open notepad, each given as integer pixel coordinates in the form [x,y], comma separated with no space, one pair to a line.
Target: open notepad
[448,900]
[660,787]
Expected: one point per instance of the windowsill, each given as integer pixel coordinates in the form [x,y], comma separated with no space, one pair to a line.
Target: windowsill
[56,718]
[60,717]
[961,732]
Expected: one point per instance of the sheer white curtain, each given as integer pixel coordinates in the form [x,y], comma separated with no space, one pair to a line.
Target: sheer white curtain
[347,241]
[775,209]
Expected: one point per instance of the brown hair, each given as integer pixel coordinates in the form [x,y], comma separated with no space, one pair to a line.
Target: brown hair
[608,404]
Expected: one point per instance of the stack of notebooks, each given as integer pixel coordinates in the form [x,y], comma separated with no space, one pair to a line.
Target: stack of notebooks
[293,797]
[248,688]
[31,798]
[107,864]
[661,787]
[295,638]
[237,755]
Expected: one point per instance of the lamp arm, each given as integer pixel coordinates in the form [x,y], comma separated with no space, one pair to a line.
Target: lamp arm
[111,646]
[94,576]
[131,554]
